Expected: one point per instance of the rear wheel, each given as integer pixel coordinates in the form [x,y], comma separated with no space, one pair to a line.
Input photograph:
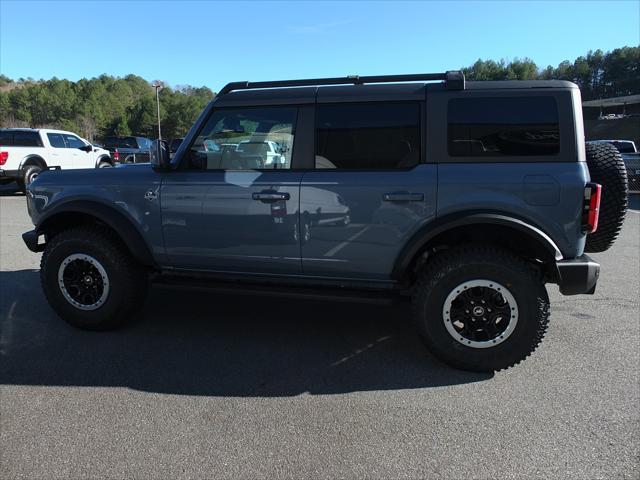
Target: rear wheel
[90,279]
[29,174]
[480,308]
[104,164]
[607,168]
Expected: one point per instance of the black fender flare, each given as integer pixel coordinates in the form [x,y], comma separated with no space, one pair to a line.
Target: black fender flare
[33,159]
[117,221]
[105,158]
[442,224]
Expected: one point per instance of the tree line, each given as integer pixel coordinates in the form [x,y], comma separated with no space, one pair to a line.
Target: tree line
[100,106]
[598,74]
[109,105]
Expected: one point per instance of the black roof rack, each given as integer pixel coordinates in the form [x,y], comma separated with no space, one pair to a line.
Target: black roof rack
[454,80]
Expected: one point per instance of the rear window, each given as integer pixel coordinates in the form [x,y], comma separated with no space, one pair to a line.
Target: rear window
[368,136]
[56,140]
[120,142]
[503,126]
[6,138]
[26,139]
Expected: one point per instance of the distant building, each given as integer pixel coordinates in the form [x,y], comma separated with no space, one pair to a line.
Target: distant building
[608,107]
[612,118]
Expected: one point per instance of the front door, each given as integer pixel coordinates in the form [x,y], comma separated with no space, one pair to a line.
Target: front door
[79,158]
[233,205]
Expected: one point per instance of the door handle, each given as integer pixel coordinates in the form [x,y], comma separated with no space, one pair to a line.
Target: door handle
[270,197]
[403,197]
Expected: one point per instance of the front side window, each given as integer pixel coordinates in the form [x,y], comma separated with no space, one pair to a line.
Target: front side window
[73,141]
[245,139]
[503,126]
[56,140]
[368,136]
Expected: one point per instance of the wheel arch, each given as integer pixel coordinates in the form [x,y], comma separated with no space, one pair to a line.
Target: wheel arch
[33,159]
[75,213]
[484,227]
[104,158]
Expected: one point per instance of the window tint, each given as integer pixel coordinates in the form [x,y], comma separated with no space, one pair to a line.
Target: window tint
[26,139]
[120,142]
[56,140]
[6,138]
[245,139]
[73,141]
[490,127]
[368,136]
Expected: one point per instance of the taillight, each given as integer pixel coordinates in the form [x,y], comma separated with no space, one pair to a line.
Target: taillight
[4,156]
[592,193]
[116,156]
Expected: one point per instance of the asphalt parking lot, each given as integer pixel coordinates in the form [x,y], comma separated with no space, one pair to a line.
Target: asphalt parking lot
[218,386]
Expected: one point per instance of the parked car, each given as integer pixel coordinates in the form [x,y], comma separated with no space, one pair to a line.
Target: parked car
[128,149]
[471,239]
[26,152]
[174,145]
[631,158]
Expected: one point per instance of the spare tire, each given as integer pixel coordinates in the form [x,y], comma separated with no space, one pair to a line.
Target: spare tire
[607,168]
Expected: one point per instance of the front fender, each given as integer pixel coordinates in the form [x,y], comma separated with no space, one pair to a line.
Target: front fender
[124,226]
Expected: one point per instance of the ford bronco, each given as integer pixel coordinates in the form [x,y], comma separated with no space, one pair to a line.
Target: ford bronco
[465,198]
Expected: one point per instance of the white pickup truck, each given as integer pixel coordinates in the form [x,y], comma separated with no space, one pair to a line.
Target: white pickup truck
[25,152]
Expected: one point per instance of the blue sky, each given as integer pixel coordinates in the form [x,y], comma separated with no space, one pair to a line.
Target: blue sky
[208,43]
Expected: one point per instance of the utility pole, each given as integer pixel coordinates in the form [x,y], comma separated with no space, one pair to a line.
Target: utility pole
[158,85]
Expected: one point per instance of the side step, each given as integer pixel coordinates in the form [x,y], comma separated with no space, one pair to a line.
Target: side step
[180,282]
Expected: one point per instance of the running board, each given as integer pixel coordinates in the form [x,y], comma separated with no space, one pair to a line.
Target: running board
[299,292]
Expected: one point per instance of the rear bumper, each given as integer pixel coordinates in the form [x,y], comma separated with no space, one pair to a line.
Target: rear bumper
[577,275]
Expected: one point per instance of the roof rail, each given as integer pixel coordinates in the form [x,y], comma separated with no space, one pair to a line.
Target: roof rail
[454,80]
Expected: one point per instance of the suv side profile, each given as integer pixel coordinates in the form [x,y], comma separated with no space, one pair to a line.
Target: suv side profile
[463,197]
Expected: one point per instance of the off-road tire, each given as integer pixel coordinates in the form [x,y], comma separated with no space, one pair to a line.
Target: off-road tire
[29,174]
[128,281]
[607,168]
[447,270]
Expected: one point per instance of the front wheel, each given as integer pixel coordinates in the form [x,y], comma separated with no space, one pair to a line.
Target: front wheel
[90,279]
[480,308]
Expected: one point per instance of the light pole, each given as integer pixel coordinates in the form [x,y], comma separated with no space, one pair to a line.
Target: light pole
[158,85]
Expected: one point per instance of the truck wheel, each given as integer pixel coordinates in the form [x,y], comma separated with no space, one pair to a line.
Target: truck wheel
[480,308]
[90,279]
[104,164]
[607,168]
[30,173]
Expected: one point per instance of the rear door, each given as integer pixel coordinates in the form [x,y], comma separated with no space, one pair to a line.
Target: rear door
[370,190]
[59,154]
[228,208]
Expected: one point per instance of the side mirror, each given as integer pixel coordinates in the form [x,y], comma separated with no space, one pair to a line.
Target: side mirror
[159,155]
[86,148]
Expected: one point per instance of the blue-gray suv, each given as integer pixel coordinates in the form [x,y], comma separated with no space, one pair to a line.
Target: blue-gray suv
[464,198]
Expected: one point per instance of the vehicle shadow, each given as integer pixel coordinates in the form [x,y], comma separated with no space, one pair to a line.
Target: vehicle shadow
[196,343]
